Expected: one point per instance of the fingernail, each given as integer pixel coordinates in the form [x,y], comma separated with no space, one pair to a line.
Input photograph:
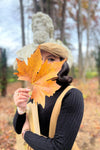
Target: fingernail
[27,89]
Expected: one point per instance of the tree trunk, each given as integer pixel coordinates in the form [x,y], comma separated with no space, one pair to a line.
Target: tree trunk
[97,54]
[99,79]
[41,5]
[23,32]
[4,81]
[0,66]
[35,5]
[87,50]
[98,66]
[51,9]
[62,30]
[79,29]
[3,72]
[22,22]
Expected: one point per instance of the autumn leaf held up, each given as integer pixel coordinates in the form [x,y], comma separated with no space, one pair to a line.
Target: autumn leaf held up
[40,75]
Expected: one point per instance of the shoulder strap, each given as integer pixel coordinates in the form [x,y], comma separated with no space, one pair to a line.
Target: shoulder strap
[32,112]
[32,115]
[56,111]
[55,114]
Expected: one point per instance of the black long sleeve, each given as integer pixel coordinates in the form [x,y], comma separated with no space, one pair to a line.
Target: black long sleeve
[18,122]
[67,128]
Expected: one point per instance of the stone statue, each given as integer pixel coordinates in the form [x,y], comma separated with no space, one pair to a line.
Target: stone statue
[42,27]
[43,31]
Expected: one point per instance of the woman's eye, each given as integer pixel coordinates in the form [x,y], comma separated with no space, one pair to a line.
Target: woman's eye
[51,59]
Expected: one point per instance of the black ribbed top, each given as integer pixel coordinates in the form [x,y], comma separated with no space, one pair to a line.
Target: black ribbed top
[68,122]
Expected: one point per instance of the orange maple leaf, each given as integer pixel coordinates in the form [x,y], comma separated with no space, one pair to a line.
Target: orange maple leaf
[40,75]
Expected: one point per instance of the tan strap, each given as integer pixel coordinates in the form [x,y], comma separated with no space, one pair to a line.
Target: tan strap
[56,111]
[32,114]
[55,114]
[33,117]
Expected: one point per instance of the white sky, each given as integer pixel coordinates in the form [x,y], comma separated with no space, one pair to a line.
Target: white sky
[10,29]
[10,32]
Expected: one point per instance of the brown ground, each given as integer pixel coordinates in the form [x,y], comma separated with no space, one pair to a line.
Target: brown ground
[89,134]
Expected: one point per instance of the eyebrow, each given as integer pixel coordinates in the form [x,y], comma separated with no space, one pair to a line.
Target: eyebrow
[51,56]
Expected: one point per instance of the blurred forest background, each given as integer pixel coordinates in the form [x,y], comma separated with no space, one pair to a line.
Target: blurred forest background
[77,24]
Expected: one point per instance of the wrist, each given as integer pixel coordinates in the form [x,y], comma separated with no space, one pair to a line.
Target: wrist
[24,131]
[21,111]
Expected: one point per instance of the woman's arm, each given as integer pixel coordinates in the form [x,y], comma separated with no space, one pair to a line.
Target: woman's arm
[21,97]
[67,128]
[18,122]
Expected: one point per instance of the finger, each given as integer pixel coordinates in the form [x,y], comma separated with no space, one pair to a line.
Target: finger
[21,103]
[22,100]
[23,97]
[23,90]
[24,94]
[17,94]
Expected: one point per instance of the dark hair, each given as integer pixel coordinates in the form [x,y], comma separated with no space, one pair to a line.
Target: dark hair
[63,78]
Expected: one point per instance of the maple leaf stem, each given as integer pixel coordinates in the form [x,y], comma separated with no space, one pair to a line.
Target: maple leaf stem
[53,79]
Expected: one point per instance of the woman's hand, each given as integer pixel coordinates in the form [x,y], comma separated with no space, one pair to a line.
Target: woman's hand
[21,97]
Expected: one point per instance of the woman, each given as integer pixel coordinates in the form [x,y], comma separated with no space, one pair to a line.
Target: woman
[71,112]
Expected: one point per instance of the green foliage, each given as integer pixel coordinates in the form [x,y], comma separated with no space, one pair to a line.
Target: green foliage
[12,80]
[74,72]
[84,96]
[10,76]
[91,74]
[6,73]
[98,92]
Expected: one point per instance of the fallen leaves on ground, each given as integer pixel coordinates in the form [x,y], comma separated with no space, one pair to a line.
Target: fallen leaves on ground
[89,134]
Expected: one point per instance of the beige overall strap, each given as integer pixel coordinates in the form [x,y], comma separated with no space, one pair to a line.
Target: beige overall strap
[55,114]
[32,115]
[20,143]
[33,118]
[56,111]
